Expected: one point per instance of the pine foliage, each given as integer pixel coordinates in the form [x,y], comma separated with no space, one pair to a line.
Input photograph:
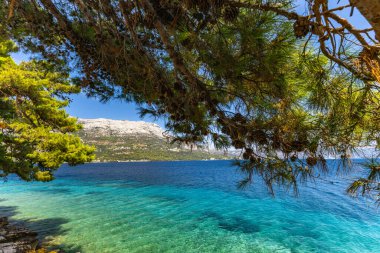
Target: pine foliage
[35,131]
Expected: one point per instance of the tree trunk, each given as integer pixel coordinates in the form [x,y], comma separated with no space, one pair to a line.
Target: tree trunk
[370,9]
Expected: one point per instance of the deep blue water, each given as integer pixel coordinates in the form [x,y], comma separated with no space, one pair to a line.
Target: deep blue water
[188,207]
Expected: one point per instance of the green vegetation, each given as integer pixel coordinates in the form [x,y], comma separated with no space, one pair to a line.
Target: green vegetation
[225,71]
[35,130]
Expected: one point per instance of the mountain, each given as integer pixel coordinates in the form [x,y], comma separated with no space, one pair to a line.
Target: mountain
[122,140]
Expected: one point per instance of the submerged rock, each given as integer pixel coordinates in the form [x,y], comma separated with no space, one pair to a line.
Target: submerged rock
[16,239]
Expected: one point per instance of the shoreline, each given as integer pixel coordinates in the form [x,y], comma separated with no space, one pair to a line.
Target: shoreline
[147,161]
[15,238]
[203,160]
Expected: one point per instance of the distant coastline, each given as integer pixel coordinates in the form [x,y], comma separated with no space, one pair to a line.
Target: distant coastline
[179,160]
[117,140]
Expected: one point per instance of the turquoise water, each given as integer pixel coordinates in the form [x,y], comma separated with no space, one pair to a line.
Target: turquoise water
[187,207]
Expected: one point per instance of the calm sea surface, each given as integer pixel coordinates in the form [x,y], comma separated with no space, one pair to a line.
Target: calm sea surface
[188,207]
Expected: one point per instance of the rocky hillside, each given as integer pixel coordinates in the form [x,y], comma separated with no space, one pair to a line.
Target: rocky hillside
[122,140]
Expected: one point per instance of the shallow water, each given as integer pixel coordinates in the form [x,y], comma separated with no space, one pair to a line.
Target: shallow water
[187,207]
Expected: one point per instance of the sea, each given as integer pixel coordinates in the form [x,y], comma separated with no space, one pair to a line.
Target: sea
[190,206]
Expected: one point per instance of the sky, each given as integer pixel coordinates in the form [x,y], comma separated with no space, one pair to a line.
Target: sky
[84,107]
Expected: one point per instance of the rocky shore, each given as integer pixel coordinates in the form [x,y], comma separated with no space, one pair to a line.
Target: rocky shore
[16,239]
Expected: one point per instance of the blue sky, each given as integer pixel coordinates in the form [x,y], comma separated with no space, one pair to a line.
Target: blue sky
[83,107]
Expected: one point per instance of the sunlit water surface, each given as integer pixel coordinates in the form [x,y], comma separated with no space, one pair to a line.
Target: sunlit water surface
[187,207]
